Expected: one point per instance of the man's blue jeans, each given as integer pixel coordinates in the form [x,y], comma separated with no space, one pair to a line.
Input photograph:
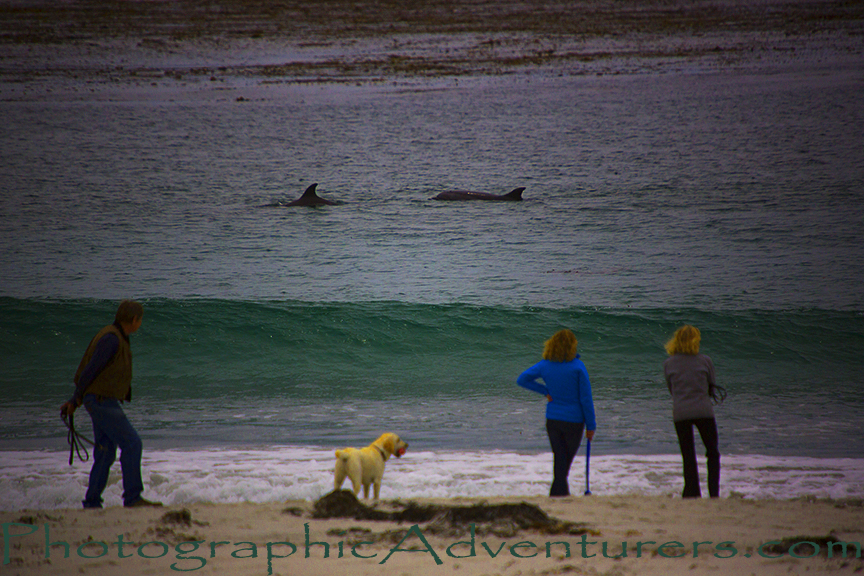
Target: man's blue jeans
[112,430]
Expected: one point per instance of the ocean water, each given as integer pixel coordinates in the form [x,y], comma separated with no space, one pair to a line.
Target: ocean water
[729,200]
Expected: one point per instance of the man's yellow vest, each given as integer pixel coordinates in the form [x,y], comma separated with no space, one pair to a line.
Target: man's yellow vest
[115,380]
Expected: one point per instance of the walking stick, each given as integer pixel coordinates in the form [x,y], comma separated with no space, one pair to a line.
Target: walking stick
[587,468]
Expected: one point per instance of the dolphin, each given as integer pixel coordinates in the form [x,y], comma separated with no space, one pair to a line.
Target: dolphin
[310,198]
[514,195]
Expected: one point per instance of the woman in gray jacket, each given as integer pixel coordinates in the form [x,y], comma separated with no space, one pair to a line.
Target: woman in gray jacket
[690,377]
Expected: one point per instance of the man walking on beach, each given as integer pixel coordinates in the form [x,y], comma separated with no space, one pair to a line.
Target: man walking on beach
[102,382]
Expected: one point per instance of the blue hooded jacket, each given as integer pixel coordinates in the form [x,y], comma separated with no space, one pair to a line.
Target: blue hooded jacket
[568,385]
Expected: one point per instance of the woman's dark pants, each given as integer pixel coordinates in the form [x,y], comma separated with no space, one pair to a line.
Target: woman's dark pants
[564,437]
[708,431]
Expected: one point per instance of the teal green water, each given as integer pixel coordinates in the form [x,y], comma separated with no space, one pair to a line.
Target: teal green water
[431,369]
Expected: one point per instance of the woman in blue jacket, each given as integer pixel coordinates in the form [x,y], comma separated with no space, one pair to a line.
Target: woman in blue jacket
[570,408]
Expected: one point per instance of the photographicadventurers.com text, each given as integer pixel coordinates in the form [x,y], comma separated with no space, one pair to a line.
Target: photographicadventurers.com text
[193,555]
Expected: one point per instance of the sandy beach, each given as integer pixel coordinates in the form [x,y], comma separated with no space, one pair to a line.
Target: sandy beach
[661,535]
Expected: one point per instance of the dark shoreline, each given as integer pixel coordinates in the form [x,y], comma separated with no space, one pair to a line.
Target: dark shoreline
[48,21]
[290,41]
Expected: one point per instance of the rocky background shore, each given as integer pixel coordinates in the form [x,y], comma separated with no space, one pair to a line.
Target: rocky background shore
[290,41]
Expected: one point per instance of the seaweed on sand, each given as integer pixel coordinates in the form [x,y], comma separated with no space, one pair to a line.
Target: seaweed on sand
[497,519]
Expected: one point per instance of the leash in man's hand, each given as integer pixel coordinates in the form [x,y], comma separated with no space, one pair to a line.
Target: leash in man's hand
[74,439]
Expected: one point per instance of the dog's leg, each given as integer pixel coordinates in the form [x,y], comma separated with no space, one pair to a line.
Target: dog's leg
[339,476]
[355,473]
[377,488]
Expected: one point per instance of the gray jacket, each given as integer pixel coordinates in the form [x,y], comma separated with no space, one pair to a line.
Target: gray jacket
[689,377]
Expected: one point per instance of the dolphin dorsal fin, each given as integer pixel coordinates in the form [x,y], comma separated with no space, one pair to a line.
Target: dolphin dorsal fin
[310,191]
[515,193]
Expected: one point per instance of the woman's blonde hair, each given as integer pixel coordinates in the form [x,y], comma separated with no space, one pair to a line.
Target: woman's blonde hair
[561,347]
[685,341]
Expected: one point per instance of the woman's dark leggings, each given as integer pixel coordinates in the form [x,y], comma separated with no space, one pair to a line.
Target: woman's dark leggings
[564,437]
[708,431]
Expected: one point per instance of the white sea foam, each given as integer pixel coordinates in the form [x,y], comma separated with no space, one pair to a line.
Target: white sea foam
[44,480]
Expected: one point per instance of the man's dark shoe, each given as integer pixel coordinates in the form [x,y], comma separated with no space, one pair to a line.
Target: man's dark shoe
[142,503]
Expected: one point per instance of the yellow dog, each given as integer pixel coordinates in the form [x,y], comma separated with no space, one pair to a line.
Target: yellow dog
[366,466]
